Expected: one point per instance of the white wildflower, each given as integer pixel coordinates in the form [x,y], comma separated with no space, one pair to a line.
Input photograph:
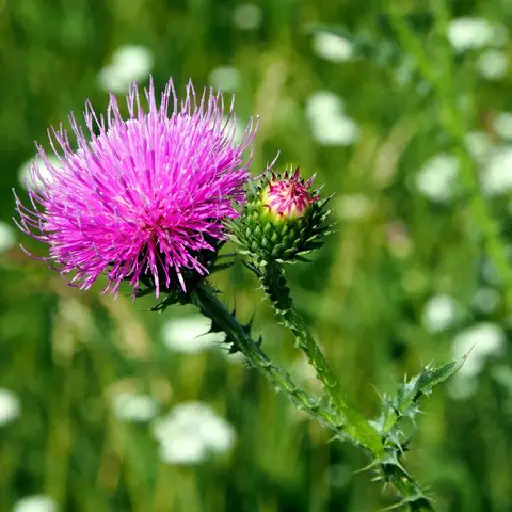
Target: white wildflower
[190,432]
[479,145]
[134,407]
[502,124]
[42,175]
[437,178]
[493,64]
[190,334]
[130,63]
[479,342]
[9,406]
[35,503]
[7,237]
[496,175]
[439,313]
[332,47]
[472,33]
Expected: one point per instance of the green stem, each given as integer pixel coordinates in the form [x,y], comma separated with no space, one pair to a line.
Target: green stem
[413,497]
[205,298]
[274,283]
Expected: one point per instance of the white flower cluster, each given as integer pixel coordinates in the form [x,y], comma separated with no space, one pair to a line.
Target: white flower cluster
[332,47]
[472,33]
[440,313]
[7,237]
[134,407]
[27,178]
[437,178]
[10,408]
[190,334]
[481,34]
[330,125]
[478,342]
[35,503]
[130,63]
[190,432]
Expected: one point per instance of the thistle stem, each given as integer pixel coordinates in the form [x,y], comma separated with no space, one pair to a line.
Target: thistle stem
[347,423]
[412,495]
[205,298]
[273,281]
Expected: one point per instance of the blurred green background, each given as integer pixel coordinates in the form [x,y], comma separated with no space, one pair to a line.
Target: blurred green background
[105,406]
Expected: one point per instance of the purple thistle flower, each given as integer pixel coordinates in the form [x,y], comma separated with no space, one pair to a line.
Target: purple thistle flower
[145,197]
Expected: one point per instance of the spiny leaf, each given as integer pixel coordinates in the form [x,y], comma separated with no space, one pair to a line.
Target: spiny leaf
[404,403]
[408,393]
[430,376]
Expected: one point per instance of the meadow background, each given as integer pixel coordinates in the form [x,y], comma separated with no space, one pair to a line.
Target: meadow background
[404,111]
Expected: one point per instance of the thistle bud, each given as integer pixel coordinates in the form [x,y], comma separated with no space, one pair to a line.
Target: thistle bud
[282,220]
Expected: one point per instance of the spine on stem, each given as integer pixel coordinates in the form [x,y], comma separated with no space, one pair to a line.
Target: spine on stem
[204,297]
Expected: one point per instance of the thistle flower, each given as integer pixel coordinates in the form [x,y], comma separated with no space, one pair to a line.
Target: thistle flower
[145,198]
[283,219]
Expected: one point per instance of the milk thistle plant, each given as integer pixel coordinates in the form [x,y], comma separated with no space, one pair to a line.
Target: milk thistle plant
[150,200]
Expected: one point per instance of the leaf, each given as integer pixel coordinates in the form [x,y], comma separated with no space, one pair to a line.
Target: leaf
[430,376]
[404,403]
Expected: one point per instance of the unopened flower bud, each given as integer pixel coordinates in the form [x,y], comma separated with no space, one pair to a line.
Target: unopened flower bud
[282,220]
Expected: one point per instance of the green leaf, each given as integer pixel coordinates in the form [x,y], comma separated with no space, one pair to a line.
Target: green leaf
[430,376]
[408,393]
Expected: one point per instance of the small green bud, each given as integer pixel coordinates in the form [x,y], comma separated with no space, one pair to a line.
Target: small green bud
[282,220]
